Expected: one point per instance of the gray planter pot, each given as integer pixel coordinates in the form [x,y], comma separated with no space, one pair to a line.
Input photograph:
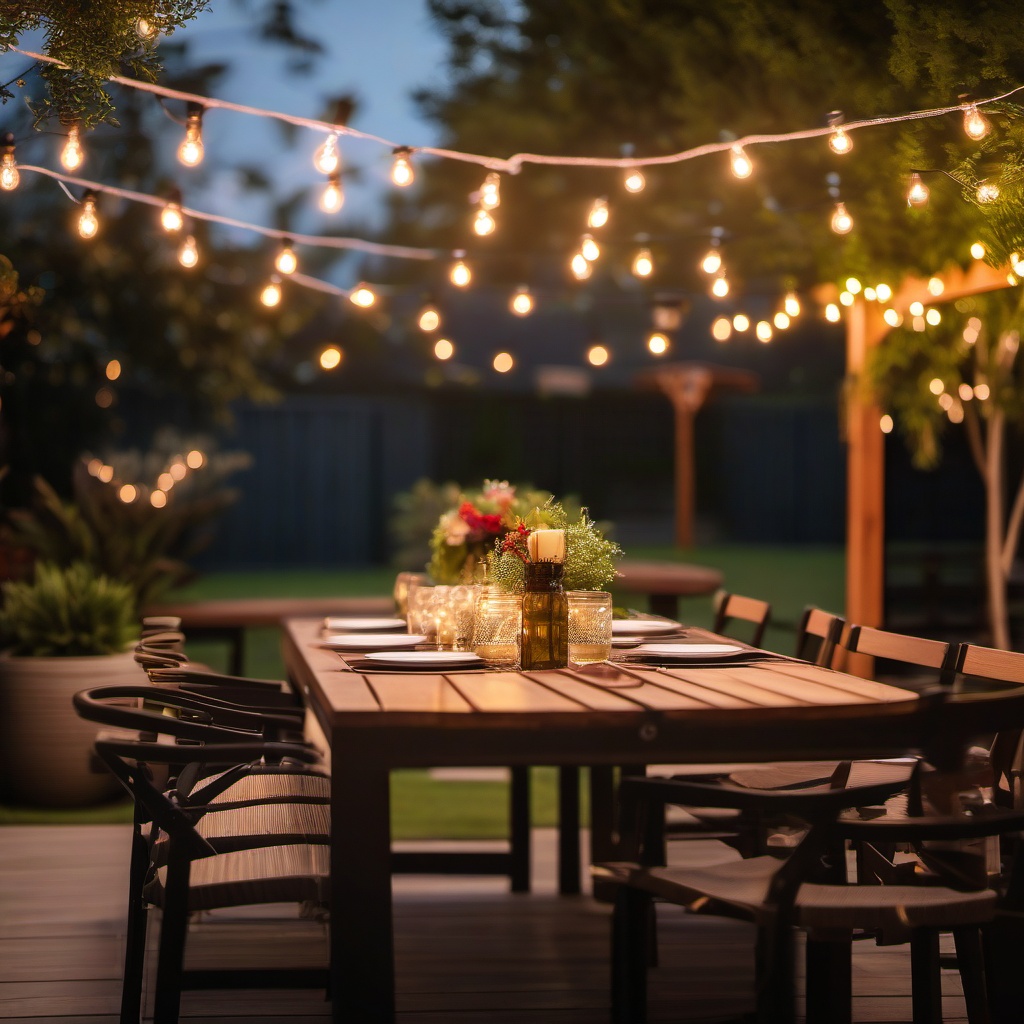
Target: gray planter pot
[45,748]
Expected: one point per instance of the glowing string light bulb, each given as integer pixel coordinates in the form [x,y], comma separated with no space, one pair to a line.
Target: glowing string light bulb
[327,158]
[363,296]
[589,249]
[145,29]
[598,215]
[188,254]
[634,181]
[286,262]
[763,330]
[190,152]
[88,222]
[9,176]
[580,267]
[976,126]
[712,261]
[490,191]
[791,304]
[839,142]
[643,264]
[522,301]
[978,251]
[720,287]
[333,196]
[842,222]
[460,275]
[742,165]
[402,173]
[72,155]
[483,223]
[918,191]
[171,218]
[657,343]
[271,294]
[987,192]
[429,318]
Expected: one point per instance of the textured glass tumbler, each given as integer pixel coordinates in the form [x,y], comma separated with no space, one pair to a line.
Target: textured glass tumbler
[498,627]
[590,626]
[403,582]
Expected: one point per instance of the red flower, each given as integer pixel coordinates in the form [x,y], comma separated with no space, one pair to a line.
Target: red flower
[480,522]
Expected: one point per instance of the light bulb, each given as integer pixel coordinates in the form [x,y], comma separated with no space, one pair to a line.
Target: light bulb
[720,287]
[271,294]
[885,423]
[598,355]
[853,285]
[579,266]
[327,158]
[402,173]
[443,349]
[781,320]
[987,193]
[88,222]
[522,302]
[741,322]
[763,330]
[791,304]
[188,254]
[918,192]
[721,329]
[883,292]
[598,216]
[742,165]
[589,249]
[832,313]
[72,155]
[842,222]
[892,317]
[976,126]
[712,262]
[657,343]
[483,222]
[286,262]
[839,142]
[460,275]
[429,319]
[362,296]
[643,265]
[634,181]
[171,219]
[490,192]
[333,197]
[144,28]
[978,251]
[190,152]
[9,176]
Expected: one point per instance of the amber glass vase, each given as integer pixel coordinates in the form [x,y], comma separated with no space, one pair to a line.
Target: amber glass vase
[545,618]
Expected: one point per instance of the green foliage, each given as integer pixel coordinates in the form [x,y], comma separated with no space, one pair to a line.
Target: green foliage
[416,515]
[67,612]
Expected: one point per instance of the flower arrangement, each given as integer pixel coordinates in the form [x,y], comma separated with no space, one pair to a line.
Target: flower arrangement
[465,535]
[589,562]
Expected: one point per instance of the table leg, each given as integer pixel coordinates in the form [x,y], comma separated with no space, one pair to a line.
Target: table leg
[568,830]
[362,944]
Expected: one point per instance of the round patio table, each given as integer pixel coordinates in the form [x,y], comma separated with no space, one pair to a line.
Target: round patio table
[664,583]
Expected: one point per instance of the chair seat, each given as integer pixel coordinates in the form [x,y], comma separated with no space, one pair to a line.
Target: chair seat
[263,787]
[743,884]
[297,873]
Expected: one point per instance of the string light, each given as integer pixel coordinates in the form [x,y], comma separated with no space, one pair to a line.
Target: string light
[933,317]
[987,192]
[72,155]
[740,323]
[460,275]
[870,294]
[763,331]
[286,262]
[429,318]
[490,192]
[712,261]
[598,355]
[443,349]
[791,304]
[839,142]
[883,292]
[190,152]
[598,215]
[721,329]
[271,294]
[402,173]
[853,285]
[483,223]
[657,343]
[936,286]
[892,317]
[832,313]
[643,264]
[363,296]
[634,181]
[978,251]
[976,126]
[580,267]
[327,158]
[846,298]
[188,254]
[885,423]
[781,320]
[842,222]
[333,197]
[742,165]
[503,362]
[522,301]
[88,222]
[916,309]
[9,176]
[145,29]
[720,287]
[171,217]
[918,192]
[331,357]
[589,249]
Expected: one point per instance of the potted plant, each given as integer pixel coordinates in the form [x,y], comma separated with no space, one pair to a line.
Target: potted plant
[65,630]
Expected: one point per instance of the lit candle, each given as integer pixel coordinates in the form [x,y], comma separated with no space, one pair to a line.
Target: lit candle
[546,545]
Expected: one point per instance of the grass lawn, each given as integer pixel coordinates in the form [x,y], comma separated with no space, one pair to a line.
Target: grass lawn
[427,808]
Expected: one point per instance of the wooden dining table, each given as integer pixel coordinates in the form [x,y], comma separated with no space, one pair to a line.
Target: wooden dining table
[376,721]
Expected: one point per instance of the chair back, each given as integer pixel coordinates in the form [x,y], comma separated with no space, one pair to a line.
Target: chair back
[817,635]
[907,650]
[731,608]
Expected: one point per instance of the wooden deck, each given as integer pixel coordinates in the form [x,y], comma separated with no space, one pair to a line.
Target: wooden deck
[467,952]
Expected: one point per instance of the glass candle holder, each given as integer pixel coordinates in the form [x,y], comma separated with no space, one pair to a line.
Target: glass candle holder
[462,601]
[590,626]
[403,582]
[497,628]
[418,618]
[545,618]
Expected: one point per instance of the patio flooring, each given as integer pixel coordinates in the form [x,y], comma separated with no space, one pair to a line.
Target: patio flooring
[467,952]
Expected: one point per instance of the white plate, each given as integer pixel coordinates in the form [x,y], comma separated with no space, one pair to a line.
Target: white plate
[372,641]
[647,626]
[626,641]
[689,650]
[348,625]
[424,658]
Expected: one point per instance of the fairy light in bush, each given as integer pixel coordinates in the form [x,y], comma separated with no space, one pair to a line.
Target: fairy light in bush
[763,330]
[720,286]
[740,323]
[460,275]
[402,173]
[327,158]
[72,155]
[188,254]
[712,260]
[429,318]
[271,294]
[657,343]
[832,313]
[634,180]
[333,196]
[978,251]
[9,176]
[580,267]
[643,264]
[742,165]
[88,221]
[883,292]
[721,329]
[936,286]
[933,317]
[286,262]
[171,218]
[853,286]
[981,392]
[987,192]
[158,499]
[917,191]
[839,142]
[598,215]
[842,222]
[892,317]
[975,125]
[363,296]
[791,305]
[145,29]
[443,349]
[598,355]
[190,152]
[522,301]
[846,298]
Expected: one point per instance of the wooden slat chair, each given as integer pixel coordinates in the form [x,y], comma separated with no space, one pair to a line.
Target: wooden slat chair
[817,635]
[732,608]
